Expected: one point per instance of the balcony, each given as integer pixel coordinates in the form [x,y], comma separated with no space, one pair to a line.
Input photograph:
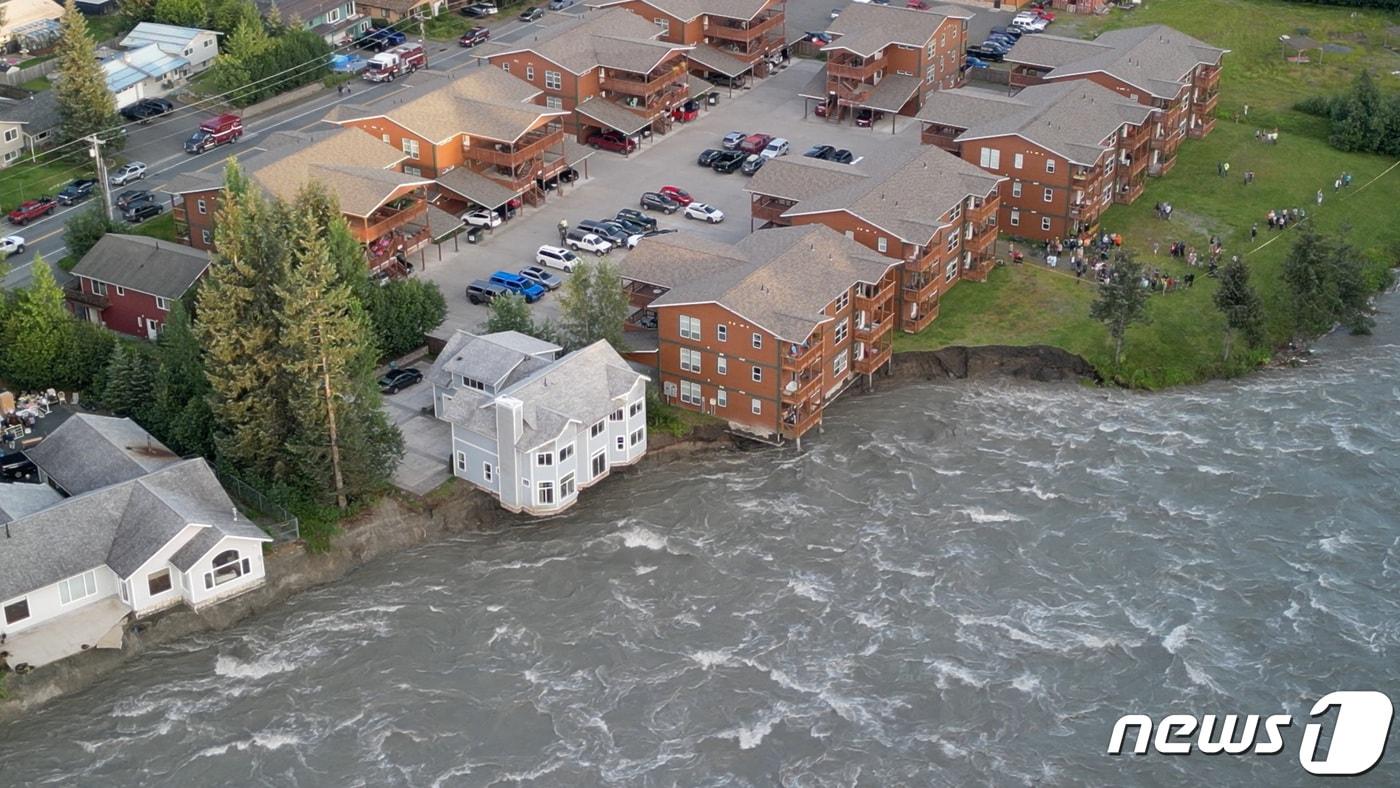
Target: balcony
[1082,175]
[982,212]
[799,386]
[770,209]
[798,420]
[1208,76]
[917,317]
[384,251]
[872,329]
[389,218]
[1127,193]
[918,288]
[875,301]
[743,31]
[1026,76]
[875,357]
[798,358]
[632,84]
[983,235]
[73,291]
[847,66]
[641,294]
[511,155]
[1203,126]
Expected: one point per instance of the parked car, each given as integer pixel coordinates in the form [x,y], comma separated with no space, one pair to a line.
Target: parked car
[541,277]
[568,175]
[531,15]
[141,211]
[1029,22]
[475,36]
[148,108]
[973,62]
[776,147]
[636,217]
[481,217]
[29,210]
[560,5]
[516,283]
[15,467]
[479,10]
[866,117]
[657,201]
[753,163]
[1014,32]
[819,152]
[686,112]
[131,171]
[676,193]
[998,45]
[584,241]
[916,5]
[728,161]
[76,191]
[133,196]
[987,54]
[1001,39]
[818,37]
[556,257]
[835,12]
[699,210]
[611,231]
[380,39]
[484,292]
[395,379]
[614,141]
[707,156]
[733,138]
[632,227]
[755,143]
[843,156]
[1041,11]
[11,245]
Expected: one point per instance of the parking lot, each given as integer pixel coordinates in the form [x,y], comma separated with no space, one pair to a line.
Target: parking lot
[614,182]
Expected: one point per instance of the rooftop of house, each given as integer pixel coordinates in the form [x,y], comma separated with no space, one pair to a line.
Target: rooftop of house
[172,39]
[144,264]
[300,10]
[1155,58]
[21,499]
[88,452]
[497,360]
[484,102]
[38,113]
[1072,118]
[905,195]
[612,38]
[19,13]
[352,164]
[780,279]
[686,10]
[137,65]
[581,387]
[867,28]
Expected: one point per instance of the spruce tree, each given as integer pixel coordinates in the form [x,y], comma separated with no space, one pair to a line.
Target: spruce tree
[1349,283]
[184,13]
[593,306]
[1122,301]
[181,390]
[1306,273]
[1244,314]
[38,329]
[128,387]
[85,106]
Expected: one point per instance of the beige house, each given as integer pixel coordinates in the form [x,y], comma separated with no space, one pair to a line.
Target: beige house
[27,125]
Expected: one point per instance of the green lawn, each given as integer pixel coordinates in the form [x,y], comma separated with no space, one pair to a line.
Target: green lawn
[162,227]
[26,181]
[1022,305]
[37,85]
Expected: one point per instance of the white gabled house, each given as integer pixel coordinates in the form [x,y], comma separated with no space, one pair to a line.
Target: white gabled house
[532,428]
[141,531]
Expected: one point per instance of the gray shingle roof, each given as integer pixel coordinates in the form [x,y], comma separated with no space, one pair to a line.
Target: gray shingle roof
[780,279]
[19,499]
[494,359]
[89,452]
[612,115]
[893,92]
[867,28]
[145,264]
[687,10]
[475,187]
[905,195]
[353,165]
[1071,118]
[1155,58]
[718,60]
[613,38]
[38,113]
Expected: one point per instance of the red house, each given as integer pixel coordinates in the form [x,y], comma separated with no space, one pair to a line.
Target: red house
[129,282]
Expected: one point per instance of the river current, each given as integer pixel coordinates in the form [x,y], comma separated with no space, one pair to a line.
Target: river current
[955,584]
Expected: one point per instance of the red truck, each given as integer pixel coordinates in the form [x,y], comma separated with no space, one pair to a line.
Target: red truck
[402,59]
[215,132]
[29,210]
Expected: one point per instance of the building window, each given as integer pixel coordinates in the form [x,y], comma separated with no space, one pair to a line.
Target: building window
[226,567]
[1049,195]
[566,486]
[690,327]
[690,393]
[206,237]
[1049,165]
[664,24]
[758,374]
[1045,223]
[553,80]
[722,398]
[952,241]
[565,453]
[690,360]
[1015,188]
[1015,218]
[638,436]
[159,582]
[991,158]
[11,134]
[596,429]
[756,406]
[635,409]
[99,288]
[757,341]
[385,137]
[414,171]
[410,147]
[955,213]
[951,271]
[546,493]
[162,303]
[599,464]
[529,73]
[843,300]
[838,365]
[333,16]
[615,415]
[722,365]
[544,458]
[462,461]
[201,206]
[1017,160]
[78,587]
[487,472]
[721,333]
[882,244]
[842,329]
[622,443]
[121,291]
[505,67]
[553,102]
[16,612]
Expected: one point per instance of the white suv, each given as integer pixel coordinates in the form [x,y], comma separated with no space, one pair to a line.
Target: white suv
[776,147]
[556,257]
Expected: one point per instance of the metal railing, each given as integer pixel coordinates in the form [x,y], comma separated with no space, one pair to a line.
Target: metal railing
[285,527]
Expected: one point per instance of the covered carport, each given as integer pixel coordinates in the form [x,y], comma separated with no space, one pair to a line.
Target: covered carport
[607,116]
[892,96]
[715,61]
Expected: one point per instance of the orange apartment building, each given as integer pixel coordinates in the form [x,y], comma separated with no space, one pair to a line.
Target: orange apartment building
[730,38]
[1156,66]
[481,137]
[606,68]
[1070,150]
[932,212]
[889,59]
[766,332]
[387,210]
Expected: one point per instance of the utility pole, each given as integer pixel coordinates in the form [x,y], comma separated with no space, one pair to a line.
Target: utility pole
[330,420]
[96,154]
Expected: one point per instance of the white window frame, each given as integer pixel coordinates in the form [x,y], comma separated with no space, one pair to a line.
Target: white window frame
[201,206]
[691,393]
[638,436]
[162,303]
[721,332]
[1049,165]
[722,398]
[1015,188]
[553,102]
[410,147]
[544,493]
[756,407]
[1045,223]
[843,300]
[843,330]
[1015,219]
[462,461]
[690,360]
[664,24]
[722,365]
[594,463]
[953,238]
[121,291]
[567,487]
[838,365]
[882,244]
[1049,194]
[99,287]
[690,327]
[1018,160]
[28,613]
[529,73]
[205,236]
[757,341]
[950,271]
[544,459]
[597,429]
[565,452]
[86,587]
[553,80]
[991,158]
[487,472]
[757,374]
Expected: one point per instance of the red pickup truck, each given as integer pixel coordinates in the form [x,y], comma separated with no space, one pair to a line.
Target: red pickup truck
[29,210]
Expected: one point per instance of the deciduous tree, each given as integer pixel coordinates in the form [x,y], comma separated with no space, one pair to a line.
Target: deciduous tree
[593,306]
[185,13]
[1122,301]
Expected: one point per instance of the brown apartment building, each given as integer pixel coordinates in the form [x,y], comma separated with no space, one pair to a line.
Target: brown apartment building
[764,333]
[731,38]
[887,59]
[1156,66]
[387,210]
[480,136]
[606,67]
[1070,150]
[931,212]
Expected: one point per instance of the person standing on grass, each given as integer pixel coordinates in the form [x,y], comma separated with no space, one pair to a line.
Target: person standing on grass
[1319,196]
[1253,231]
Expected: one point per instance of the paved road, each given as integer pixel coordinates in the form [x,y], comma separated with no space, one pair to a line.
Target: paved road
[160,146]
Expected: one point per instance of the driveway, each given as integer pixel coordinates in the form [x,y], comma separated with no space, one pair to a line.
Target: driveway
[427,459]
